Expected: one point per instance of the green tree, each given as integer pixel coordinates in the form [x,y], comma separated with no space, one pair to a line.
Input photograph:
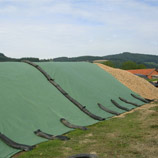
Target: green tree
[141,66]
[128,65]
[109,63]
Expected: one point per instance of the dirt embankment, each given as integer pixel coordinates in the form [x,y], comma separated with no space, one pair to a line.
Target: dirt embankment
[135,83]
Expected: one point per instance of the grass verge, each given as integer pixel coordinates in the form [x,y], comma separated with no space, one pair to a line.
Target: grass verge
[133,135]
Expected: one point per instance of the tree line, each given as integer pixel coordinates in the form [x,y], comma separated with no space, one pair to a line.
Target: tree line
[127,65]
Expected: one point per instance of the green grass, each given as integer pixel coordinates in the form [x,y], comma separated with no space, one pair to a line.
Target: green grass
[156,79]
[132,136]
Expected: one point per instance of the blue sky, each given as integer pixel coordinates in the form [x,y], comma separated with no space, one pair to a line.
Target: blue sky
[53,28]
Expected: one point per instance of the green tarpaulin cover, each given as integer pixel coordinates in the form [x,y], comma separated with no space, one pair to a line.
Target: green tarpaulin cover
[89,85]
[29,102]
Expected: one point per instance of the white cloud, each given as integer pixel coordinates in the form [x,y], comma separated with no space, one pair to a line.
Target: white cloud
[50,28]
[8,10]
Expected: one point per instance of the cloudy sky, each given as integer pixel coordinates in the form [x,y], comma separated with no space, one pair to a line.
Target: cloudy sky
[53,28]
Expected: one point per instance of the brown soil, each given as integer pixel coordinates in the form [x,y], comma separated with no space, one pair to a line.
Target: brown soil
[133,82]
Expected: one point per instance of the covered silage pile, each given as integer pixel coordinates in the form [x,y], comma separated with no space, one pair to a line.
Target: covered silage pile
[30,102]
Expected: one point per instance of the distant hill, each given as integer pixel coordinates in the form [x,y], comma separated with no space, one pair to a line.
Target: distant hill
[80,58]
[133,57]
[4,58]
[117,59]
[150,61]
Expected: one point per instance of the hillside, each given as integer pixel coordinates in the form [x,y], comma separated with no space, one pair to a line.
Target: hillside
[148,60]
[80,58]
[4,58]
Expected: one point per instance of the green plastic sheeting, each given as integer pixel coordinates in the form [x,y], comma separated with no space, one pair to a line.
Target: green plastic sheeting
[89,85]
[29,102]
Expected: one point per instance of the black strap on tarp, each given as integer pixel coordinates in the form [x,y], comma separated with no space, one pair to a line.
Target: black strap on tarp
[108,110]
[39,68]
[49,136]
[149,100]
[68,124]
[139,98]
[119,106]
[81,107]
[15,145]
[128,102]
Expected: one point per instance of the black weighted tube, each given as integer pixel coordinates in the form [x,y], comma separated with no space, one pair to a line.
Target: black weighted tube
[44,73]
[68,124]
[128,102]
[119,106]
[84,156]
[61,90]
[81,107]
[15,145]
[149,100]
[60,137]
[139,98]
[44,135]
[108,110]
[28,62]
[39,68]
[49,136]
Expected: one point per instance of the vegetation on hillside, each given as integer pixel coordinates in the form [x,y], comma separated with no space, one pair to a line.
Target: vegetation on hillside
[109,63]
[117,60]
[150,61]
[4,58]
[81,58]
[127,65]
